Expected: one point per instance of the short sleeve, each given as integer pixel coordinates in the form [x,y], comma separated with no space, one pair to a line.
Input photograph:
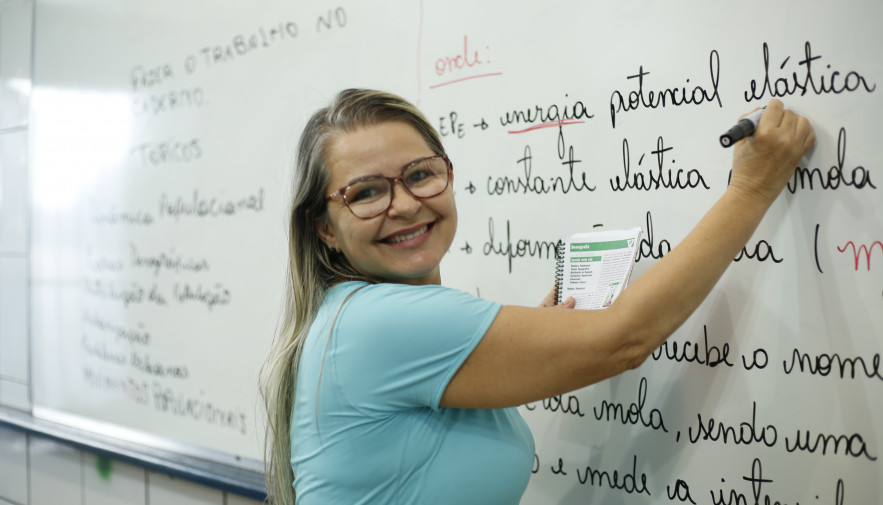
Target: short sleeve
[396,346]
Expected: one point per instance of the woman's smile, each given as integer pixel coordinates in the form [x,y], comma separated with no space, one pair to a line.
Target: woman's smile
[409,237]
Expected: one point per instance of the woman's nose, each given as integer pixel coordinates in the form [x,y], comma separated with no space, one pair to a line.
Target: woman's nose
[403,202]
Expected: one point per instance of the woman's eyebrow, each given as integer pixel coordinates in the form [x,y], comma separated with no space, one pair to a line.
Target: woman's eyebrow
[364,178]
[401,169]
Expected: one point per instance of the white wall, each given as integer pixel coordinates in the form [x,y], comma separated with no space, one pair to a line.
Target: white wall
[36,471]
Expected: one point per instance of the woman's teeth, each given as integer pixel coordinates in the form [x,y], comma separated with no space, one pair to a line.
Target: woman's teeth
[402,238]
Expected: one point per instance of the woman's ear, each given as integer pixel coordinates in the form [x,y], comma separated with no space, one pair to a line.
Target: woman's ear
[326,234]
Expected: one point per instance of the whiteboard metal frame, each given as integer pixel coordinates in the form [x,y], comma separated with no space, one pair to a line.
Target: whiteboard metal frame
[210,468]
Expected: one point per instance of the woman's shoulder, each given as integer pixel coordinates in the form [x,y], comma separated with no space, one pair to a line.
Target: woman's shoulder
[386,317]
[383,290]
[382,298]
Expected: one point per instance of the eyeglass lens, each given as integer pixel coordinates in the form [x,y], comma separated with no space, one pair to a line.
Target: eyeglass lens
[372,196]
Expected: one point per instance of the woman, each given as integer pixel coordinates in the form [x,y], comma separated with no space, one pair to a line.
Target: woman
[383,386]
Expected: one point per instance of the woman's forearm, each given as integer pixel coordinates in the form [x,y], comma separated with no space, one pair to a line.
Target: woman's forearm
[664,296]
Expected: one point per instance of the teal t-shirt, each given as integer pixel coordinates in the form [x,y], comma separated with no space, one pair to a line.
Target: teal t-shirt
[375,433]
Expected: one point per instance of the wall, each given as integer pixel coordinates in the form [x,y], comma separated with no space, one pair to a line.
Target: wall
[36,471]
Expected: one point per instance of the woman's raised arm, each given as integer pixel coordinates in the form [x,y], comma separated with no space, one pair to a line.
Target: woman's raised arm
[532,353]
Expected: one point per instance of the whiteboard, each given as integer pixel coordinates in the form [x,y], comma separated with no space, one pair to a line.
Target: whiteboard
[162,143]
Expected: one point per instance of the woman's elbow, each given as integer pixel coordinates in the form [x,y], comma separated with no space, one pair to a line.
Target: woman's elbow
[637,360]
[637,342]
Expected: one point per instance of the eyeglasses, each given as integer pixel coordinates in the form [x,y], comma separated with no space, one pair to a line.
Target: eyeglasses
[371,196]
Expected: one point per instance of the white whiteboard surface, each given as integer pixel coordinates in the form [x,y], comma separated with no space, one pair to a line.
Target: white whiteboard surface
[139,111]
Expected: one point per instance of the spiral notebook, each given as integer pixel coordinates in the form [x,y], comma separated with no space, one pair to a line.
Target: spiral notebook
[595,267]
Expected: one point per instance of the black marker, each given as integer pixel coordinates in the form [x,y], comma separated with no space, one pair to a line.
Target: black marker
[744,128]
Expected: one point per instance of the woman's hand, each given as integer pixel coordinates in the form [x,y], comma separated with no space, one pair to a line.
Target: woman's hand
[549,300]
[765,162]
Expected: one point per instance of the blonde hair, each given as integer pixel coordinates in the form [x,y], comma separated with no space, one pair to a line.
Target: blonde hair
[313,268]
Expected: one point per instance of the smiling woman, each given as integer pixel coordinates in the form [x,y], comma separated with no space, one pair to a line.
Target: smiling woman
[385,387]
[405,241]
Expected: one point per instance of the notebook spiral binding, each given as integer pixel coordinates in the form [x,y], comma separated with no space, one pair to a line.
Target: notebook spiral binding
[559,269]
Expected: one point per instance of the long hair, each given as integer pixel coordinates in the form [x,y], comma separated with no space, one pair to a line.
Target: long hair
[313,267]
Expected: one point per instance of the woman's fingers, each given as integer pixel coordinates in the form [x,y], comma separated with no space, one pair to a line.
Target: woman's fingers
[551,300]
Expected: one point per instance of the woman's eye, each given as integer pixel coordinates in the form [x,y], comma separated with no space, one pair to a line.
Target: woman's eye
[362,193]
[419,174]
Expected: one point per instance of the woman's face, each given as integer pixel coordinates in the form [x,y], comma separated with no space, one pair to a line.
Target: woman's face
[407,242]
